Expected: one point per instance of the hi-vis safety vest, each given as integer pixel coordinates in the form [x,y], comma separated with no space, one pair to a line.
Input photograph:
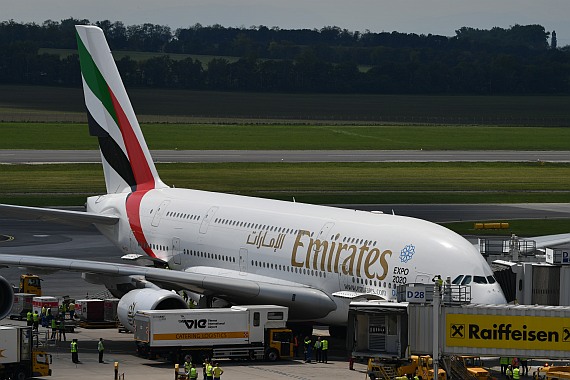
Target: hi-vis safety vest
[193,373]
[73,347]
[208,370]
[325,344]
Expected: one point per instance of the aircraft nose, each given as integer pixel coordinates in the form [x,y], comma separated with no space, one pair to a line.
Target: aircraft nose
[488,294]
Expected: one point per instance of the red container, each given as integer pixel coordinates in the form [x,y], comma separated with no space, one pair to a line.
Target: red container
[90,309]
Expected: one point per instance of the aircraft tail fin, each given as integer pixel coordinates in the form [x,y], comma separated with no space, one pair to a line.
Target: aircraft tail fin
[127,162]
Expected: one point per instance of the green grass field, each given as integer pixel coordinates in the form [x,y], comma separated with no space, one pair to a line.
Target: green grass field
[322,183]
[70,184]
[296,137]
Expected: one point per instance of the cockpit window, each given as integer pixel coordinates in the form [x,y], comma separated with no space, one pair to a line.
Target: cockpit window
[457,280]
[466,280]
[491,279]
[479,280]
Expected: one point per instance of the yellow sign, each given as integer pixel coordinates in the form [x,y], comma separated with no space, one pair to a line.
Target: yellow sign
[202,335]
[518,332]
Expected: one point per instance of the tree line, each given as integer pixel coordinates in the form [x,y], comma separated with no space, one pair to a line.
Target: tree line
[515,60]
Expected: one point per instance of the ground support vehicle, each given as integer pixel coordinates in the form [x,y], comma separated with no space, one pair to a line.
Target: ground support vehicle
[19,360]
[474,366]
[253,332]
[30,283]
[552,373]
[21,306]
[390,369]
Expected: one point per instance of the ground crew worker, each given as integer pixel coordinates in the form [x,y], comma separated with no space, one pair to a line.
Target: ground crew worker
[325,350]
[100,349]
[36,320]
[61,328]
[71,310]
[53,328]
[509,372]
[29,320]
[209,374]
[192,372]
[204,365]
[524,366]
[504,362]
[217,371]
[74,353]
[318,349]
[516,374]
[308,349]
[187,366]
[438,281]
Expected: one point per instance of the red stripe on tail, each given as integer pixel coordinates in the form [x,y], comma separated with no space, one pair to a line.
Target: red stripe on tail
[143,174]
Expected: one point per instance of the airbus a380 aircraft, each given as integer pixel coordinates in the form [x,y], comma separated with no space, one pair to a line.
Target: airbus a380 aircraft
[313,259]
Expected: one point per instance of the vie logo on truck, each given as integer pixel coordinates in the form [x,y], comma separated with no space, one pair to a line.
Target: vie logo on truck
[194,323]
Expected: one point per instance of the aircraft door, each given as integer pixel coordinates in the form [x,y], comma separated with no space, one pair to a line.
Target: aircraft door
[243,261]
[176,251]
[159,212]
[423,278]
[207,219]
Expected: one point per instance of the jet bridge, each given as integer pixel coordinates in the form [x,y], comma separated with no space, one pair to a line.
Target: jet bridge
[396,330]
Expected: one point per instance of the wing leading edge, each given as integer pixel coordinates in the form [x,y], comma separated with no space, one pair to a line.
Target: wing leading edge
[229,284]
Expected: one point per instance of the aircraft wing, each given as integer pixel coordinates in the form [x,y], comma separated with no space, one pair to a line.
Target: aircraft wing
[230,284]
[56,215]
[548,241]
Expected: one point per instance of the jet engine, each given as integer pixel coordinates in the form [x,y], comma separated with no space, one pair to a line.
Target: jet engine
[6,297]
[146,299]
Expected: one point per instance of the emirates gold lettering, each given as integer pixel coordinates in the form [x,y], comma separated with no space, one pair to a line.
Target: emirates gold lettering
[333,257]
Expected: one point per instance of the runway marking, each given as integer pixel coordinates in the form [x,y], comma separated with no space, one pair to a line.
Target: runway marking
[6,238]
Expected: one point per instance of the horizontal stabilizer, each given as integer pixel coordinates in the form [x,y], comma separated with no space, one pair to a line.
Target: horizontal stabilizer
[55,215]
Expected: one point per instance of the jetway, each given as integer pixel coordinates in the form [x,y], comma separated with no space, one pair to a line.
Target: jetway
[396,330]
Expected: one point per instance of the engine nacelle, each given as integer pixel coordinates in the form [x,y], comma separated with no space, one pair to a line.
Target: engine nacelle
[146,299]
[6,297]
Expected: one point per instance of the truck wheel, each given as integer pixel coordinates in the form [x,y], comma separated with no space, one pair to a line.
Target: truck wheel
[20,374]
[251,355]
[272,355]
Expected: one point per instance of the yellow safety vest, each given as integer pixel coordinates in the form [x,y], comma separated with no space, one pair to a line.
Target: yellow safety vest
[193,373]
[325,344]
[208,370]
[73,347]
[516,374]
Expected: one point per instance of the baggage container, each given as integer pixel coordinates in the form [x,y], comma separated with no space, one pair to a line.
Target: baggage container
[48,302]
[22,304]
[90,309]
[110,309]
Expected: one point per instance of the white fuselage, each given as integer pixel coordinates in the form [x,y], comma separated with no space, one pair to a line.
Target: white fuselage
[331,249]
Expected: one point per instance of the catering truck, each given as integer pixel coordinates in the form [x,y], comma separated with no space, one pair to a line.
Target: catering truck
[18,358]
[253,332]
